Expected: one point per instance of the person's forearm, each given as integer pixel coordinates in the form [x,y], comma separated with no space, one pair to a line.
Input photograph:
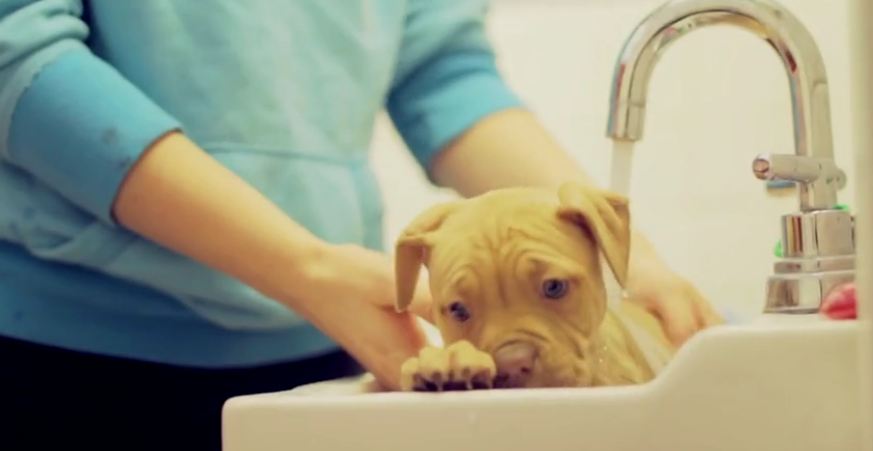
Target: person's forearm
[512,148]
[508,148]
[181,198]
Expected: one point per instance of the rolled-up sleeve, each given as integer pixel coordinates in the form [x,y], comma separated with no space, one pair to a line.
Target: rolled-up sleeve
[66,116]
[447,77]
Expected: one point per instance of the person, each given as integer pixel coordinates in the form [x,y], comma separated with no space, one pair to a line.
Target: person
[187,211]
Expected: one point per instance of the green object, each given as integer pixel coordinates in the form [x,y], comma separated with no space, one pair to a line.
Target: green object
[777,250]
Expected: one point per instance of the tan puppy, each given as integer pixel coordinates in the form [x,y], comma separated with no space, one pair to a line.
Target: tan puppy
[519,296]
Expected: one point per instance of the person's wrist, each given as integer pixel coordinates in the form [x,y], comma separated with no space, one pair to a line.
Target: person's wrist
[297,270]
[345,270]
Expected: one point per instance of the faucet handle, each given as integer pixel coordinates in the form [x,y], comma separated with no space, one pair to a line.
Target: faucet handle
[819,175]
[818,241]
[798,169]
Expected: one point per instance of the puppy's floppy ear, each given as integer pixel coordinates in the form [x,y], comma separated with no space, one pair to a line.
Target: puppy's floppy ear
[411,250]
[606,215]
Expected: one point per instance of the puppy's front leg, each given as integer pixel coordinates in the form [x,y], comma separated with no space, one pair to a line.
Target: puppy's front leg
[460,366]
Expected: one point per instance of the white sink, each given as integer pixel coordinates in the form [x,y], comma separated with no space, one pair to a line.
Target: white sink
[780,383]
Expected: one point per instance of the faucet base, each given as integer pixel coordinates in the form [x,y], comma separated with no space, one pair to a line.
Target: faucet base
[819,250]
[803,292]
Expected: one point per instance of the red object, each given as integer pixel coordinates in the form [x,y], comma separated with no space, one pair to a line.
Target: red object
[841,303]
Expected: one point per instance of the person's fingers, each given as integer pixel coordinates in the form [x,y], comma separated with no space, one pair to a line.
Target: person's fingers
[423,309]
[709,317]
[706,313]
[678,319]
[398,339]
[422,302]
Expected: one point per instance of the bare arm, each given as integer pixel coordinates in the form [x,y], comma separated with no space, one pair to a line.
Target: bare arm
[179,197]
[508,148]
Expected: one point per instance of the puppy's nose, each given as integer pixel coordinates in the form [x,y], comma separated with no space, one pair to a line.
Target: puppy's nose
[515,362]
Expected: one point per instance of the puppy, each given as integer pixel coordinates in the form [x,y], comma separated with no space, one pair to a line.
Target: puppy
[519,295]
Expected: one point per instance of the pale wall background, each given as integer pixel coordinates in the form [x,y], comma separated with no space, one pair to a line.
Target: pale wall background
[718,98]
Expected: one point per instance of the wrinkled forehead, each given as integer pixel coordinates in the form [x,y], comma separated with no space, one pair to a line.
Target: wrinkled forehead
[473,261]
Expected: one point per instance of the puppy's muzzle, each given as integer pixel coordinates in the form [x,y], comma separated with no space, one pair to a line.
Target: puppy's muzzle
[515,364]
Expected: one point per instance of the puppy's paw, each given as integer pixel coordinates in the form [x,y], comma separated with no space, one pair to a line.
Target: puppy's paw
[460,366]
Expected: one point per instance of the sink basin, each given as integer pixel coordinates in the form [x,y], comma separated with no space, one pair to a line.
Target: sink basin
[777,383]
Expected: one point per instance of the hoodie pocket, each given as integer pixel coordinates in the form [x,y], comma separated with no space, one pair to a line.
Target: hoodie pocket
[49,227]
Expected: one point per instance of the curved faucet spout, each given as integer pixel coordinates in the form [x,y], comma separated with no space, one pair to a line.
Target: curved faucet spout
[813,141]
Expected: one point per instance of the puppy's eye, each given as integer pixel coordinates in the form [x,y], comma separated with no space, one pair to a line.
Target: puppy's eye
[459,312]
[554,288]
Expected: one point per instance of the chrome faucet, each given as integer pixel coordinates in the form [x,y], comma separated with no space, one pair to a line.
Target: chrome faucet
[818,240]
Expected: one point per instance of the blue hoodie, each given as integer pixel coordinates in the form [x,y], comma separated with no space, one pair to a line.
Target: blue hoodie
[284,93]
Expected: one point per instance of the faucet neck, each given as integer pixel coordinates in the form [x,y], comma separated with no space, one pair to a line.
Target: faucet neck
[793,43]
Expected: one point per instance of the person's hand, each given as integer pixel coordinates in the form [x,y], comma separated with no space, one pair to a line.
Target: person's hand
[372,274]
[681,308]
[341,290]
[349,295]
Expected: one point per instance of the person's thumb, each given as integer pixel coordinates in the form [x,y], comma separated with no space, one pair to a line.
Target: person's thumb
[422,303]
